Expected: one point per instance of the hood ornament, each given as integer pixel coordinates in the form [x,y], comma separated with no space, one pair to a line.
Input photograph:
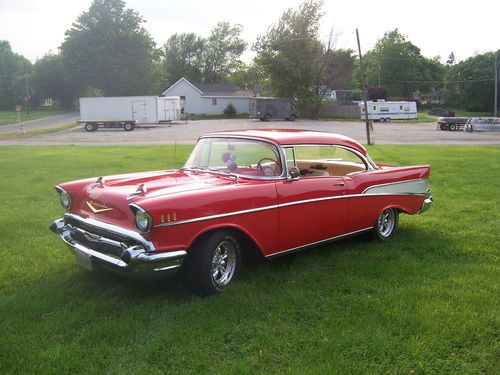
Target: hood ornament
[98,208]
[100,182]
[140,190]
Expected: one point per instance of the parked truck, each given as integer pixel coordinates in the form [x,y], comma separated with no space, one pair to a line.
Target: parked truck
[128,111]
[382,111]
[265,109]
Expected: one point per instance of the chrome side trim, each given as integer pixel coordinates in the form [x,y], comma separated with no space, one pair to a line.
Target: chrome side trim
[410,186]
[298,248]
[114,229]
[194,220]
[217,216]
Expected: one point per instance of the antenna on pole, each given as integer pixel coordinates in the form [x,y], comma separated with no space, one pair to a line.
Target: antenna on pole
[363,86]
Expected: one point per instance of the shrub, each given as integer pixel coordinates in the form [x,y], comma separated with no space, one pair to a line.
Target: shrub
[230,110]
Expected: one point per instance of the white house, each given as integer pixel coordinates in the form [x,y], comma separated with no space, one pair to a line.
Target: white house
[209,98]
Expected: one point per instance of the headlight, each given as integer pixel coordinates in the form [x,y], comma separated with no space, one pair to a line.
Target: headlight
[143,221]
[64,198]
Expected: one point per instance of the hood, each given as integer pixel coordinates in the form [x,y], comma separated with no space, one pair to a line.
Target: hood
[109,201]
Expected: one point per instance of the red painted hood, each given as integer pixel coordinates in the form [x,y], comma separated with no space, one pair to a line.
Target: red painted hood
[110,201]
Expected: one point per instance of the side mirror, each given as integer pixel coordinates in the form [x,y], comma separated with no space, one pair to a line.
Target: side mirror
[293,173]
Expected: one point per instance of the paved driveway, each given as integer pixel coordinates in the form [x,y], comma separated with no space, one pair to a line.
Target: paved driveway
[393,133]
[45,122]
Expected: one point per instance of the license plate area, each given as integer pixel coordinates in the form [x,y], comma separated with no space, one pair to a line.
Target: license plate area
[84,260]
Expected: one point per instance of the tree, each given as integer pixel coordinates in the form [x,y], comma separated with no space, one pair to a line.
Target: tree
[470,83]
[183,57]
[108,49]
[341,69]
[404,71]
[51,80]
[222,51]
[14,71]
[293,56]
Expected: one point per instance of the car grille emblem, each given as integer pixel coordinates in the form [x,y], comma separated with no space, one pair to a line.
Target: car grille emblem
[98,208]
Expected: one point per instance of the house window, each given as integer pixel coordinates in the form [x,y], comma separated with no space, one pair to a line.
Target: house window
[214,101]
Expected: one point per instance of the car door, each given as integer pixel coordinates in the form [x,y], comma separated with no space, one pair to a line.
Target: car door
[311,208]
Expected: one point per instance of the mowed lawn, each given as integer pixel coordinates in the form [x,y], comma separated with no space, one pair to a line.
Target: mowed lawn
[10,117]
[425,302]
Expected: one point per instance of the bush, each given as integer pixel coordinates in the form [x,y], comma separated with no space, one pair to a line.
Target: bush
[230,110]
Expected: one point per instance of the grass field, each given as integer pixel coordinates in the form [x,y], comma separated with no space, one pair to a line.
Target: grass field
[424,303]
[10,117]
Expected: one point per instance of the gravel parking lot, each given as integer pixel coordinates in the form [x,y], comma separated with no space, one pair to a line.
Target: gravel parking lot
[393,133]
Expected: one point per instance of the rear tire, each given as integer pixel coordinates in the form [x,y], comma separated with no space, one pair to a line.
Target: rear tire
[443,127]
[386,224]
[90,127]
[267,117]
[128,127]
[213,262]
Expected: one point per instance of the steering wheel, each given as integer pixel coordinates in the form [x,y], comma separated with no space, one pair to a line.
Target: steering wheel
[266,169]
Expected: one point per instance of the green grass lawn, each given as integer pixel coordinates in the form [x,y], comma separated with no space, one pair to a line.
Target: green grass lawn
[425,302]
[10,117]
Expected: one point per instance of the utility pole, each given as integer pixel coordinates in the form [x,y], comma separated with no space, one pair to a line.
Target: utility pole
[362,73]
[496,86]
[379,68]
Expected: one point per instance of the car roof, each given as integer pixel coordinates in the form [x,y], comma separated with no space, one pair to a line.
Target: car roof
[293,137]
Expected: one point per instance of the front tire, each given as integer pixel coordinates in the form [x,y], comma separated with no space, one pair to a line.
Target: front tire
[386,224]
[213,262]
[90,127]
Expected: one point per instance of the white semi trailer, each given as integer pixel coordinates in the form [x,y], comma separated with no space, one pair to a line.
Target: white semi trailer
[382,111]
[128,111]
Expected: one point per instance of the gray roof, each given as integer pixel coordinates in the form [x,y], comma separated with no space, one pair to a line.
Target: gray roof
[221,89]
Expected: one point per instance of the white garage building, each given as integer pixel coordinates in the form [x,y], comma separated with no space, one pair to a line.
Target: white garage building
[209,98]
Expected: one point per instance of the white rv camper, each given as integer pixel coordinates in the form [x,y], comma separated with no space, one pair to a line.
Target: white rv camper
[383,111]
[128,111]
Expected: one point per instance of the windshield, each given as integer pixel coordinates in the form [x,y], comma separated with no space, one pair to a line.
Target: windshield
[244,157]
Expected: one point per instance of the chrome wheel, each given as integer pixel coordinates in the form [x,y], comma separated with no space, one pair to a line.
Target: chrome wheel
[223,263]
[387,223]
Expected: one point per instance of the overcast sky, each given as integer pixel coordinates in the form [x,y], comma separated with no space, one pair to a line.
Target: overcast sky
[35,27]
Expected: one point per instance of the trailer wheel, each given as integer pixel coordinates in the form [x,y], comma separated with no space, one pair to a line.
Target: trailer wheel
[90,127]
[443,127]
[128,127]
[267,117]
[453,127]
[381,119]
[387,119]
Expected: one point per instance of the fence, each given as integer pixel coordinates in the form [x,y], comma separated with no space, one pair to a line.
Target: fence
[340,110]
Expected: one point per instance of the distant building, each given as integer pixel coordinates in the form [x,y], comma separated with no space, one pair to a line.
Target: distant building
[209,98]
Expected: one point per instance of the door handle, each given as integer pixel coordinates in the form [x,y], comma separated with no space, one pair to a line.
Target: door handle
[339,184]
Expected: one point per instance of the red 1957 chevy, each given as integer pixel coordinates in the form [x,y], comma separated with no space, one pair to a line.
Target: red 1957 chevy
[279,191]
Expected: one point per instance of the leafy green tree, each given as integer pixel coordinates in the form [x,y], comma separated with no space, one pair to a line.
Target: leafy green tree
[183,57]
[293,56]
[222,51]
[403,70]
[107,48]
[470,83]
[13,70]
[250,77]
[51,80]
[341,69]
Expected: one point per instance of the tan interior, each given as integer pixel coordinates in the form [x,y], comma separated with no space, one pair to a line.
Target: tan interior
[313,168]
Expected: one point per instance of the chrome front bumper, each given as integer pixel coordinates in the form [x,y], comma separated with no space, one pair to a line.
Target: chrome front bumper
[136,257]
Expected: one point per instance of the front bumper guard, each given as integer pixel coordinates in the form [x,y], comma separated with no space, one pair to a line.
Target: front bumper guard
[133,261]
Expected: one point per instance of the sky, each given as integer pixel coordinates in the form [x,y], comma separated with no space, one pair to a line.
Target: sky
[439,27]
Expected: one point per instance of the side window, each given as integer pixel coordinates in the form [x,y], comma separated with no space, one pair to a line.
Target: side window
[324,161]
[214,101]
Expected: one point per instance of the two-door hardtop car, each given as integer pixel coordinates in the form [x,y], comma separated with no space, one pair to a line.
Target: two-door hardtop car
[278,191]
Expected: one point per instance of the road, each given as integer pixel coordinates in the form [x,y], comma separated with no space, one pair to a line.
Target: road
[187,133]
[45,122]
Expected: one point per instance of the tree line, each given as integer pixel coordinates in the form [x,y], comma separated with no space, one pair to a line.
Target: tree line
[108,51]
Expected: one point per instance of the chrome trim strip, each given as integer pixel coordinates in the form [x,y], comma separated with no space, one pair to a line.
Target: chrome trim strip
[417,180]
[204,218]
[298,248]
[216,216]
[114,229]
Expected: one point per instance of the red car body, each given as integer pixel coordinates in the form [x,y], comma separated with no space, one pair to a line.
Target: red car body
[308,188]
